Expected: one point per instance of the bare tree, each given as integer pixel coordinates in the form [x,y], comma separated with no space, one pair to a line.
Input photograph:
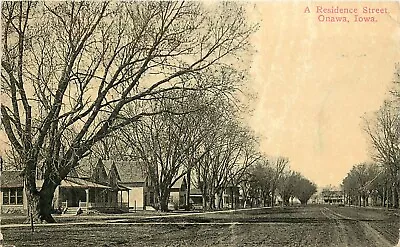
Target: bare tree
[280,165]
[164,144]
[383,130]
[287,186]
[69,69]
[361,182]
[259,182]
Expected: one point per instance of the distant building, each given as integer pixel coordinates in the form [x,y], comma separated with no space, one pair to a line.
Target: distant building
[332,196]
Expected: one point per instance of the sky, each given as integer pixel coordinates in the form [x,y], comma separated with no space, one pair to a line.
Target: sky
[316,79]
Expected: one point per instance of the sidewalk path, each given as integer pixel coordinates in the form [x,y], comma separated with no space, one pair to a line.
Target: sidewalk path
[108,220]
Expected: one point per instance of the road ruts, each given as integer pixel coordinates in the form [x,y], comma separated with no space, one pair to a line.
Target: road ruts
[344,232]
[341,234]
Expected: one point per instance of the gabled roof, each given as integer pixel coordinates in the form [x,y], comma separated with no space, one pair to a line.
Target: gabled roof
[83,170]
[128,171]
[99,173]
[11,179]
[179,182]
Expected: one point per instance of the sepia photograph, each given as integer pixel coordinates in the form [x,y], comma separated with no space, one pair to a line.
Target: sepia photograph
[200,123]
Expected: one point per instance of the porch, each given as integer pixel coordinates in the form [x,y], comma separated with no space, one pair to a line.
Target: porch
[74,193]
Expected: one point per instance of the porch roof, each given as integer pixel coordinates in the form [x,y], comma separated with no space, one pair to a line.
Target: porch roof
[76,183]
[11,179]
[82,183]
[122,188]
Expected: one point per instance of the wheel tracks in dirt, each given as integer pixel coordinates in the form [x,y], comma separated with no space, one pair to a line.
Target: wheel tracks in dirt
[375,235]
[369,231]
[341,234]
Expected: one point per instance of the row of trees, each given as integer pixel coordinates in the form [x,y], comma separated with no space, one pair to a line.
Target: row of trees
[365,183]
[270,177]
[208,145]
[213,150]
[380,180]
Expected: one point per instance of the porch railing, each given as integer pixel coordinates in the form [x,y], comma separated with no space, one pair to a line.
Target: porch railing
[102,205]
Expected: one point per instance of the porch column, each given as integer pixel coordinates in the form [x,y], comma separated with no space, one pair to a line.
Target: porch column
[121,198]
[128,199]
[87,197]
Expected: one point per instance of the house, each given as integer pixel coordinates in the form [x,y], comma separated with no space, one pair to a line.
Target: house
[178,191]
[98,191]
[130,175]
[231,197]
[332,196]
[105,185]
[71,193]
[196,198]
[12,196]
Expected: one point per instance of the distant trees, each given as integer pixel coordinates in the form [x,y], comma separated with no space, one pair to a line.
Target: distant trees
[185,138]
[295,185]
[198,136]
[304,190]
[361,183]
[257,184]
[269,177]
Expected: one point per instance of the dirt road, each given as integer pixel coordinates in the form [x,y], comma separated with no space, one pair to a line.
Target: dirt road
[350,231]
[318,225]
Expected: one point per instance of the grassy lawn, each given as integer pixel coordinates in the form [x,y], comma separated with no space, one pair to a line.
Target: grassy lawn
[7,219]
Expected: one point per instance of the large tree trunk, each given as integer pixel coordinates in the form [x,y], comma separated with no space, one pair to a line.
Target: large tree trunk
[204,196]
[164,200]
[395,195]
[40,203]
[163,206]
[219,201]
[46,200]
[212,198]
[188,206]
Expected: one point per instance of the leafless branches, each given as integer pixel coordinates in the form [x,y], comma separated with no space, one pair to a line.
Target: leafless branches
[70,70]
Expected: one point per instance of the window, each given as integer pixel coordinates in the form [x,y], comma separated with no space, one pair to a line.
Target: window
[13,196]
[6,197]
[20,200]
